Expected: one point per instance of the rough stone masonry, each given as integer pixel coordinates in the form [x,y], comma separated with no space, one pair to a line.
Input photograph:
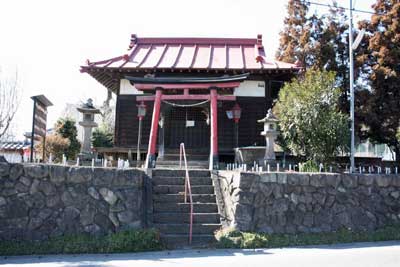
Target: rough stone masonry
[39,201]
[307,202]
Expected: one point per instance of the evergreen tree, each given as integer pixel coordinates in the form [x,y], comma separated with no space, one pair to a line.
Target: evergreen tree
[378,109]
[294,39]
[66,128]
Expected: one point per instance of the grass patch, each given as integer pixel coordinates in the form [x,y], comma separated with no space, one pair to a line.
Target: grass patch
[229,238]
[124,241]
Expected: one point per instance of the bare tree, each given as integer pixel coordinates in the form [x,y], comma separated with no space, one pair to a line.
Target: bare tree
[9,101]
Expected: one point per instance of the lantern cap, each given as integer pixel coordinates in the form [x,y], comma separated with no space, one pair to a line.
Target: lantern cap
[270,117]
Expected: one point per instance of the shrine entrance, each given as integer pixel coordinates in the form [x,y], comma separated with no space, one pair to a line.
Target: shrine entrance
[172,90]
[189,125]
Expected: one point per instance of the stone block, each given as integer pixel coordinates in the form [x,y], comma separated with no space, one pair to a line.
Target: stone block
[131,177]
[317,180]
[16,170]
[79,175]
[93,193]
[308,219]
[108,195]
[396,181]
[87,214]
[304,179]
[103,176]
[53,201]
[268,177]
[25,180]
[243,216]
[113,218]
[293,178]
[39,171]
[246,197]
[265,189]
[2,201]
[366,179]
[333,180]
[350,180]
[319,198]
[4,169]
[383,180]
[281,178]
[47,188]
[246,180]
[58,174]
[126,216]
[21,188]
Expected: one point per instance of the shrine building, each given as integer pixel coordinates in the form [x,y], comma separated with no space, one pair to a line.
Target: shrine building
[207,93]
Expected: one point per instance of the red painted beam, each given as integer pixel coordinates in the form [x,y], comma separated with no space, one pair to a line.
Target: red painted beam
[187,97]
[214,123]
[143,86]
[151,154]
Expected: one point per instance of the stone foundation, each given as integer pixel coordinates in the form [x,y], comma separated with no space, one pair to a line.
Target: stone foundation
[40,201]
[304,202]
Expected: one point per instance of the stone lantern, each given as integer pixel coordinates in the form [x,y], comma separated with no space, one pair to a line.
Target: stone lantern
[88,111]
[270,132]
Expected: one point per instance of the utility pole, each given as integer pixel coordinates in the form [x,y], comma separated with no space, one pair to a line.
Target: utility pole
[352,150]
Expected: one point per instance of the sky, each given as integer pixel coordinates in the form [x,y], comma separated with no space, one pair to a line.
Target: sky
[46,41]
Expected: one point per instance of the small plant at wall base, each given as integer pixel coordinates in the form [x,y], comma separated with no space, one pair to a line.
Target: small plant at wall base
[310,122]
[124,241]
[66,128]
[230,238]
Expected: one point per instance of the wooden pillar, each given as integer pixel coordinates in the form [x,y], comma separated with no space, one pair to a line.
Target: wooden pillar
[151,154]
[214,128]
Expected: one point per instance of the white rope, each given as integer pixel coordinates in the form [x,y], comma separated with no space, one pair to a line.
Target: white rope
[187,105]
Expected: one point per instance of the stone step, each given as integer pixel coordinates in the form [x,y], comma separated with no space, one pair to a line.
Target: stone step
[172,165]
[189,157]
[185,207]
[173,241]
[165,180]
[179,198]
[174,189]
[175,172]
[174,217]
[183,228]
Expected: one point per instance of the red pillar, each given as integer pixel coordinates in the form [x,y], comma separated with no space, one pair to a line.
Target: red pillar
[151,153]
[214,127]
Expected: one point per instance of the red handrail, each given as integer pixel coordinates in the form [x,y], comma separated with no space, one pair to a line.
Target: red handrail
[188,189]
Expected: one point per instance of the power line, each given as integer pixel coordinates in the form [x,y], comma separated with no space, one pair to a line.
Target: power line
[327,5]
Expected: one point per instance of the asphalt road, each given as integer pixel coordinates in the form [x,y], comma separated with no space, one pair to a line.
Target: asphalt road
[359,254]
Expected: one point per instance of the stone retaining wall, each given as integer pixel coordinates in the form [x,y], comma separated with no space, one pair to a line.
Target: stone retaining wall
[304,202]
[38,201]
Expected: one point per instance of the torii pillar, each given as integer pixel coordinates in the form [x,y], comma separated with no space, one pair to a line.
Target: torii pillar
[151,153]
[214,128]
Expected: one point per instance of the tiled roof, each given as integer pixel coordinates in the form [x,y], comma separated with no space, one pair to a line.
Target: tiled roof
[13,146]
[193,54]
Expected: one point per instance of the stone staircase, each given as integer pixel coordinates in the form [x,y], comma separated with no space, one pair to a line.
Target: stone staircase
[195,159]
[172,216]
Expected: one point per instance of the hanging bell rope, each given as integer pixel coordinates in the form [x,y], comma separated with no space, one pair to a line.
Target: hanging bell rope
[185,105]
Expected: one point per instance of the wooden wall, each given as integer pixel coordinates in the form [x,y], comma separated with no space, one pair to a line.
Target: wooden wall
[253,109]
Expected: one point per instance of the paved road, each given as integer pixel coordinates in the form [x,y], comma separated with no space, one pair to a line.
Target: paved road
[360,254]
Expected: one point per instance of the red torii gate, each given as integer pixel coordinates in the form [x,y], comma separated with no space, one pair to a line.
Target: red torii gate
[192,83]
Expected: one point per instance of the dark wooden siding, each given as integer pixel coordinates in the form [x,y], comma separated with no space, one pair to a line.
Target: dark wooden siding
[253,109]
[127,124]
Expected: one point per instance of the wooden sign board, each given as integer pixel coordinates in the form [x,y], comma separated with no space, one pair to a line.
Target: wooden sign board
[39,121]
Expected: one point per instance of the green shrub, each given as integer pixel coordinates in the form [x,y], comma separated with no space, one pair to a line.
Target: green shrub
[229,238]
[124,241]
[309,166]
